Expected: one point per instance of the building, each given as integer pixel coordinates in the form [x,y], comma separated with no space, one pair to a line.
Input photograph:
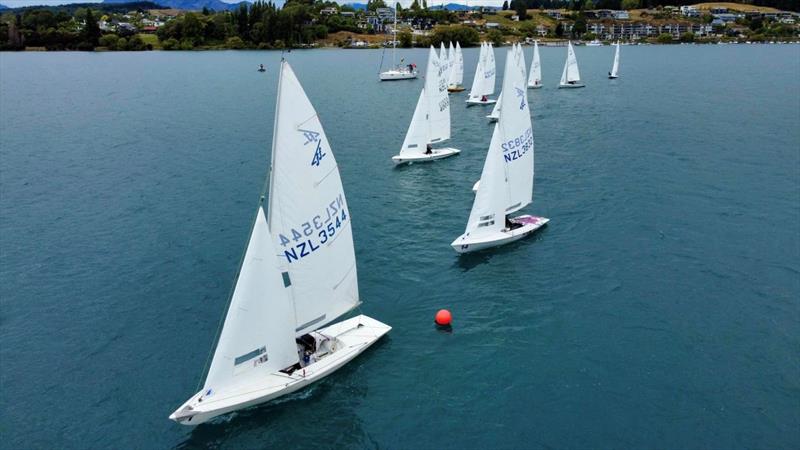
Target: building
[621,15]
[555,14]
[385,14]
[328,11]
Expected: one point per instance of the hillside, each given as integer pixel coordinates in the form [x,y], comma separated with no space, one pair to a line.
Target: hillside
[735,7]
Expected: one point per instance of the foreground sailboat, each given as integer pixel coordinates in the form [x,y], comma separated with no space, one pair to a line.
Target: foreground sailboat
[535,77]
[570,77]
[506,184]
[615,67]
[398,71]
[297,276]
[431,121]
[454,84]
[483,82]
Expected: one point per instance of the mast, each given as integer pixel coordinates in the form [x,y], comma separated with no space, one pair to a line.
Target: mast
[394,38]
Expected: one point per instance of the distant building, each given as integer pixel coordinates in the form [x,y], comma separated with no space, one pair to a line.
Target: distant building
[385,14]
[621,15]
[328,11]
[349,14]
[492,25]
[555,14]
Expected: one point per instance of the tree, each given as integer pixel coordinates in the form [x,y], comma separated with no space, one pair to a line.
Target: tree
[398,7]
[424,4]
[687,37]
[630,4]
[559,30]
[495,36]
[580,26]
[588,4]
[414,5]
[91,32]
[405,39]
[664,38]
[372,5]
[522,9]
[505,5]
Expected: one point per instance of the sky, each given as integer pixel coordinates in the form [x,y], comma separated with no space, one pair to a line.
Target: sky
[19,3]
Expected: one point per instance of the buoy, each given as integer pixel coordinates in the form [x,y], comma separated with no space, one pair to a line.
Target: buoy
[443,318]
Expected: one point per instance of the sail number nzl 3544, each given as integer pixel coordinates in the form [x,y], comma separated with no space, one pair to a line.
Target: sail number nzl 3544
[313,234]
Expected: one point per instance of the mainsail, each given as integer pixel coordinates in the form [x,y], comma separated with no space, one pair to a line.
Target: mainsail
[570,72]
[535,78]
[457,72]
[308,213]
[615,66]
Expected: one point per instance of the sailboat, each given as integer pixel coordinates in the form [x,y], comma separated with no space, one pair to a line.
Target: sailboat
[615,67]
[483,82]
[495,114]
[570,77]
[431,121]
[535,77]
[398,71]
[506,184]
[298,275]
[454,84]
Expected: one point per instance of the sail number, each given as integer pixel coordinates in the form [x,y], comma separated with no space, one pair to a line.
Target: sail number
[513,149]
[313,136]
[311,235]
[318,154]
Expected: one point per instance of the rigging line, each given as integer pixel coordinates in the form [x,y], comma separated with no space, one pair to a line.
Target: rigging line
[381,64]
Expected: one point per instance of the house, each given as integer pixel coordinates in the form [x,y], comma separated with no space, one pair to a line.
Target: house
[542,30]
[328,11]
[555,14]
[718,11]
[385,14]
[686,10]
[621,15]
[349,14]
[149,29]
[725,17]
[492,25]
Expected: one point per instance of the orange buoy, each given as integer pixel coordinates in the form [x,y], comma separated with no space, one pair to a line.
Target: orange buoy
[443,318]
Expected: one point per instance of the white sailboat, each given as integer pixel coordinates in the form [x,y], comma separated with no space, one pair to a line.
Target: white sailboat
[535,77]
[398,71]
[506,184]
[454,84]
[519,58]
[483,83]
[615,67]
[297,276]
[431,121]
[570,77]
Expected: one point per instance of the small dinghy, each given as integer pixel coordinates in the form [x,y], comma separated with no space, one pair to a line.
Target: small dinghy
[535,77]
[454,84]
[570,77]
[297,276]
[483,82]
[431,121]
[495,114]
[506,183]
[615,66]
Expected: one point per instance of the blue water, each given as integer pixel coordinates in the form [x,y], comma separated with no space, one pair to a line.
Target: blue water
[659,308]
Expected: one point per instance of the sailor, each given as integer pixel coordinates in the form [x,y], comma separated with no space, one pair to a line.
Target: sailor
[484,98]
[428,149]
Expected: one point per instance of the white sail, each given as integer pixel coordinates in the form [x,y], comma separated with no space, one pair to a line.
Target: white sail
[438,102]
[478,80]
[489,71]
[517,133]
[443,57]
[257,337]
[416,139]
[308,213]
[535,78]
[488,209]
[570,73]
[615,66]
[457,73]
[451,58]
[495,114]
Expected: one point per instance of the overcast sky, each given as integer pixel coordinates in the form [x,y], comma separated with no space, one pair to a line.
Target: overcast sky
[18,3]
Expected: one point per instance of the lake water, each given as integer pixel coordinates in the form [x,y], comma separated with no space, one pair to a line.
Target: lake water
[659,308]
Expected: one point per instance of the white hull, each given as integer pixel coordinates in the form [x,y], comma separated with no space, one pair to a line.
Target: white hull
[492,118]
[471,102]
[392,75]
[534,86]
[436,153]
[467,244]
[348,339]
[612,77]
[475,187]
[571,86]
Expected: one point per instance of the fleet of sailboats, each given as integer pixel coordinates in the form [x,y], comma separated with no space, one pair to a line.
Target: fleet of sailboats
[282,329]
[297,277]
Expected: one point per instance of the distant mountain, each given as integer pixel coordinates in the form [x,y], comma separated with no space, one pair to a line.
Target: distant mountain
[357,6]
[451,7]
[70,8]
[191,5]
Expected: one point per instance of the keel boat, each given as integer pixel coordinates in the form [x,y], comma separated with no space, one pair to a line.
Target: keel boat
[570,77]
[615,66]
[535,77]
[484,80]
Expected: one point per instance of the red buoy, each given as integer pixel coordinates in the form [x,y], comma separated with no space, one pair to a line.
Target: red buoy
[443,318]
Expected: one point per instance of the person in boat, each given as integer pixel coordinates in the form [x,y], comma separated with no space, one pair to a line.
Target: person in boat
[484,98]
[570,82]
[410,68]
[508,223]
[261,68]
[428,149]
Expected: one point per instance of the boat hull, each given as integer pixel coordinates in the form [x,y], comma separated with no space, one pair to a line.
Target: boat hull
[476,186]
[468,244]
[571,86]
[436,153]
[492,118]
[534,86]
[455,89]
[394,75]
[612,77]
[471,102]
[351,336]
